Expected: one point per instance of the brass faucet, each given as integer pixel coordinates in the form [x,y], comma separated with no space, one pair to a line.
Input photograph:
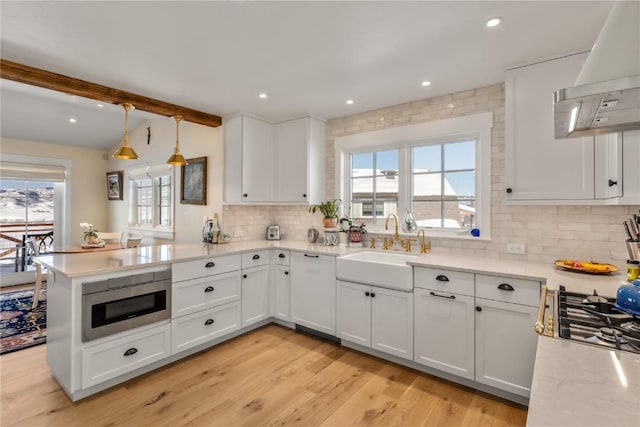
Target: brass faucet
[373,242]
[396,235]
[407,244]
[423,247]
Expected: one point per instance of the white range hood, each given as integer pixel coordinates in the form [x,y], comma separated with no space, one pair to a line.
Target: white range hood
[606,95]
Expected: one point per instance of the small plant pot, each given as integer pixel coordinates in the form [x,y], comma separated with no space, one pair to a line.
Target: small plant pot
[329,222]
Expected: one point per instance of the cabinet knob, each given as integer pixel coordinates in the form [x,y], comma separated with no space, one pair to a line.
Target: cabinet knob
[208,322]
[245,195]
[612,183]
[442,278]
[244,276]
[304,196]
[478,308]
[373,294]
[366,294]
[505,287]
[209,289]
[210,264]
[256,256]
[131,351]
[509,190]
[286,273]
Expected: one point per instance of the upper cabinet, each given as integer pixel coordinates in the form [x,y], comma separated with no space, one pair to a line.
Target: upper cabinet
[269,163]
[541,169]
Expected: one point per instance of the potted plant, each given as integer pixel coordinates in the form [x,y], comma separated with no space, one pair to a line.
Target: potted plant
[330,210]
[90,236]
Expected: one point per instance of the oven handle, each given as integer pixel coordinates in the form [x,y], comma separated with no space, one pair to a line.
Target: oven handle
[540,327]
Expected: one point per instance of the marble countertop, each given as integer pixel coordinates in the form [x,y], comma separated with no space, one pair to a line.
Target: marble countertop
[576,384]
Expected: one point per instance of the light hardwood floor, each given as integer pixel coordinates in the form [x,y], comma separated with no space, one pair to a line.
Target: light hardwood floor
[272,376]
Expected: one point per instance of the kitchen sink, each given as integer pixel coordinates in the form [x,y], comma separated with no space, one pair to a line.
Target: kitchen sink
[384,269]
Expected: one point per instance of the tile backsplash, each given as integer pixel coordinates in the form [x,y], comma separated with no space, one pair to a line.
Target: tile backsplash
[548,232]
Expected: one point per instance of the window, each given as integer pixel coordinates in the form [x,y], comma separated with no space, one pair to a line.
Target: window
[441,171]
[151,197]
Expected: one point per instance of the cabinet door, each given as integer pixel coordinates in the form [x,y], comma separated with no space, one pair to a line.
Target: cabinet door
[538,166]
[354,313]
[608,167]
[280,306]
[444,332]
[257,160]
[505,345]
[313,291]
[292,139]
[255,295]
[392,322]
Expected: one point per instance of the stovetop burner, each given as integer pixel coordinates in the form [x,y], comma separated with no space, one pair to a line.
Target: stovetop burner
[595,320]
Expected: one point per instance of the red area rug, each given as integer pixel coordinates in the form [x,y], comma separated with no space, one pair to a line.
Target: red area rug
[20,326]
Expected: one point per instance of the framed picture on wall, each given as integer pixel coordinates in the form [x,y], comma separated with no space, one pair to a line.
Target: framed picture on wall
[114,185]
[194,182]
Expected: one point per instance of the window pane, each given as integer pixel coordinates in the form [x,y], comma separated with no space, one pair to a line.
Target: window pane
[427,158]
[427,186]
[460,155]
[387,163]
[460,184]
[362,164]
[452,214]
[428,214]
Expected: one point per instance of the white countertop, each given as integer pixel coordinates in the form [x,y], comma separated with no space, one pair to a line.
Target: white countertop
[576,384]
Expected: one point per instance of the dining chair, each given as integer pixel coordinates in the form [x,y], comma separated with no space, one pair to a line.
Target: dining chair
[34,248]
[108,237]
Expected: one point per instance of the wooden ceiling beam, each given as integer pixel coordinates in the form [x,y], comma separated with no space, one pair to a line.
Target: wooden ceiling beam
[46,79]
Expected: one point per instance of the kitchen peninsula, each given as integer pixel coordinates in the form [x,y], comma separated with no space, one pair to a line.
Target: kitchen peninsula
[85,367]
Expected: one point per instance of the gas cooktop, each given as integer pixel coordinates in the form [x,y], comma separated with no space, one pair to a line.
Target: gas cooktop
[595,320]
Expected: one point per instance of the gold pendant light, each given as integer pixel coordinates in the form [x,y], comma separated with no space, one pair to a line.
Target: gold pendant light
[176,158]
[125,152]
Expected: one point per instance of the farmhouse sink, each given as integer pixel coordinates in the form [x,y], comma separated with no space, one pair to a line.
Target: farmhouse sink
[384,269]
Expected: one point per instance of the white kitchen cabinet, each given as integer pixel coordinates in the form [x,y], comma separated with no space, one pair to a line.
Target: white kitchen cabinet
[280,289]
[205,325]
[313,291]
[444,331]
[376,317]
[249,146]
[538,166]
[608,166]
[255,294]
[190,296]
[300,161]
[506,311]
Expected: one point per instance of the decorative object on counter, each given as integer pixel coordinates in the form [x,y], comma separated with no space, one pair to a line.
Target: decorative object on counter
[312,234]
[21,325]
[125,152]
[355,235]
[409,222]
[273,232]
[91,236]
[177,159]
[330,210]
[628,298]
[475,232]
[207,230]
[215,235]
[194,182]
[346,222]
[589,267]
[212,232]
[331,237]
[633,270]
[114,185]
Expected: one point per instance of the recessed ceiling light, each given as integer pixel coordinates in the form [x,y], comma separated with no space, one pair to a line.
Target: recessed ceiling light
[72,120]
[493,22]
[262,95]
[426,83]
[349,101]
[100,105]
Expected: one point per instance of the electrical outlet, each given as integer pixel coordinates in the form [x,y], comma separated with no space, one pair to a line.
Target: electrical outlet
[238,233]
[515,248]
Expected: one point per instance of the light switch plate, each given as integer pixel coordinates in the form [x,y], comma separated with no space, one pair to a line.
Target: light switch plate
[515,248]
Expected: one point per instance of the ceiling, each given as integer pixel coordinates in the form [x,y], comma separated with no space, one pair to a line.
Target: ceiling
[308,57]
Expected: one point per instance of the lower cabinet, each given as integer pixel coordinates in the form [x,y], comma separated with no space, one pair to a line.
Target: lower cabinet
[444,331]
[110,359]
[376,317]
[505,345]
[313,291]
[280,307]
[197,328]
[255,294]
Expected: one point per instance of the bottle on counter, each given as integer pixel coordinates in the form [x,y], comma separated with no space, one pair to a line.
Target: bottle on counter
[633,270]
[215,234]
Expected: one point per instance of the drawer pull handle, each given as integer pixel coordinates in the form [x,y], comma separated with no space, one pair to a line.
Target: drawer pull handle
[282,256]
[209,289]
[210,264]
[208,322]
[256,256]
[131,351]
[312,256]
[442,278]
[286,273]
[443,296]
[505,287]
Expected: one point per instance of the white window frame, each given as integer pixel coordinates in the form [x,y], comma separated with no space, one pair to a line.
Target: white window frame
[477,127]
[154,229]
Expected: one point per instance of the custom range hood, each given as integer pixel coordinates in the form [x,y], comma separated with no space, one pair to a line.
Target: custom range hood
[606,95]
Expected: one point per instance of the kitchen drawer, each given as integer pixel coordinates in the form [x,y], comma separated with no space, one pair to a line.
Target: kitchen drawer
[455,282]
[197,328]
[113,358]
[506,289]
[205,267]
[194,295]
[280,257]
[255,258]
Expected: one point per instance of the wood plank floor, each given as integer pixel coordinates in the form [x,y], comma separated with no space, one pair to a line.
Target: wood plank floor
[271,376]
